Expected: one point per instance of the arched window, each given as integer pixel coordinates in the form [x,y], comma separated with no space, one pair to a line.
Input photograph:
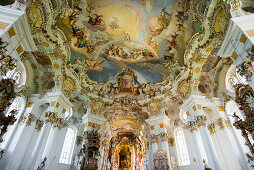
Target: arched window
[182,152]
[68,146]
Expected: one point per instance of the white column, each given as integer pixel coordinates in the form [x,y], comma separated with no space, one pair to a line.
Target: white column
[226,148]
[37,147]
[197,150]
[196,113]
[49,143]
[233,147]
[21,147]
[210,151]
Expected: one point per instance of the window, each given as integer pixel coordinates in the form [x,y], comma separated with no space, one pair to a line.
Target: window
[182,152]
[68,146]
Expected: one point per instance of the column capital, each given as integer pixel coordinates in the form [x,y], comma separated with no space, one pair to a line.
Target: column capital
[56,99]
[191,101]
[158,124]
[158,119]
[58,102]
[92,121]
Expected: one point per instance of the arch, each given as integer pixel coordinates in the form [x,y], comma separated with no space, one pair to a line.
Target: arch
[181,147]
[183,116]
[230,78]
[22,69]
[68,146]
[68,113]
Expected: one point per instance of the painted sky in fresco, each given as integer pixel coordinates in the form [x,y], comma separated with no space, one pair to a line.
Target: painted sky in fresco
[110,70]
[106,31]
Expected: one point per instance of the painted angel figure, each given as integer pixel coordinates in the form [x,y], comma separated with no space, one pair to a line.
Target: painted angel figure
[126,36]
[164,13]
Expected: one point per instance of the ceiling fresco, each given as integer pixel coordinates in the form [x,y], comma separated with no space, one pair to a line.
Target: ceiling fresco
[115,56]
[112,36]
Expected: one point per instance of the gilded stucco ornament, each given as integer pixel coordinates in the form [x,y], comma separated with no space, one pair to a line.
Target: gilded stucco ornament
[192,126]
[206,85]
[38,125]
[28,119]
[211,128]
[70,37]
[228,61]
[55,120]
[68,86]
[171,141]
[220,123]
[236,8]
[79,140]
[35,16]
[245,99]
[227,123]
[246,69]
[250,52]
[155,107]
[7,89]
[185,88]
[200,120]
[97,106]
[204,43]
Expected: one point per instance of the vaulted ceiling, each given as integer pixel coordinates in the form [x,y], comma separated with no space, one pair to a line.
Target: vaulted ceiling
[127,56]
